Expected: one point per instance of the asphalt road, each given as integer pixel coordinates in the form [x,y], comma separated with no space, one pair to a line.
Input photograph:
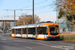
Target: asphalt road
[9,43]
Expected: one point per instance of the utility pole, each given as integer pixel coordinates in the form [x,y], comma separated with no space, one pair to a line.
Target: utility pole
[14,17]
[33,11]
[15,12]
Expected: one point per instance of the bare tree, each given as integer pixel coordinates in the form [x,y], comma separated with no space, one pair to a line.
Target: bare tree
[27,19]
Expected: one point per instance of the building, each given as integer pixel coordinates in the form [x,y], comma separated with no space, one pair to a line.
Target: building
[6,24]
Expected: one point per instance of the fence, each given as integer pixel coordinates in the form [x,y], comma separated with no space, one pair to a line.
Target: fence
[68,37]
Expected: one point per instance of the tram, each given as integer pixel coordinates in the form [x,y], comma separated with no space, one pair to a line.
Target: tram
[45,31]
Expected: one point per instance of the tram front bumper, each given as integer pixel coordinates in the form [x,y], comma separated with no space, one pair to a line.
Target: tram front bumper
[48,38]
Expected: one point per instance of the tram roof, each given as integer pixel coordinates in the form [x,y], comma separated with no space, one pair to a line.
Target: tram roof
[29,25]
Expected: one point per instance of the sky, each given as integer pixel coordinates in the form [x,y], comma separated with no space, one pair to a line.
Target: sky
[45,9]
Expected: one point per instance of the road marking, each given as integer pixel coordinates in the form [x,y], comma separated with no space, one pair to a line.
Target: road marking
[66,49]
[42,44]
[28,47]
[18,41]
[46,45]
[63,47]
[68,44]
[58,46]
[4,39]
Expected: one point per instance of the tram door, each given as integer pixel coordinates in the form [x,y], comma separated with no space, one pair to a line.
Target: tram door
[45,34]
[42,31]
[31,32]
[34,32]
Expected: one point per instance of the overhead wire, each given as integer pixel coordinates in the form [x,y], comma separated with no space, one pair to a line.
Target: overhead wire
[42,7]
[38,8]
[35,4]
[43,12]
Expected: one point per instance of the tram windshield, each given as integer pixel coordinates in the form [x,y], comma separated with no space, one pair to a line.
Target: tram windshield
[53,30]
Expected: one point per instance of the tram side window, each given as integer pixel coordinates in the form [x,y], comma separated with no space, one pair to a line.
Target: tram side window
[42,30]
[12,31]
[31,30]
[24,30]
[18,31]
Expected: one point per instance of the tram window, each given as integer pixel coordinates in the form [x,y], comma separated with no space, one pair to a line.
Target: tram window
[53,29]
[42,30]
[24,30]
[31,30]
[18,31]
[12,31]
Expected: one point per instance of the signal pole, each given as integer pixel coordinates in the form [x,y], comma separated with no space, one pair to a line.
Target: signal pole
[33,11]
